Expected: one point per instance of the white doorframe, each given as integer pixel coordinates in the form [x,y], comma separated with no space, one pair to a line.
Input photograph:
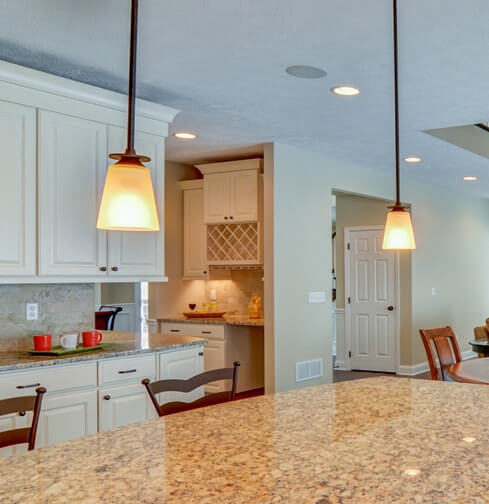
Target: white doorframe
[397,312]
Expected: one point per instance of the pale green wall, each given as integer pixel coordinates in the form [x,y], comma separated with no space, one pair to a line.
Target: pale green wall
[452,235]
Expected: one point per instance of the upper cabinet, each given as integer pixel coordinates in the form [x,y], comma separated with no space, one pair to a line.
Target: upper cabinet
[231,191]
[55,138]
[17,190]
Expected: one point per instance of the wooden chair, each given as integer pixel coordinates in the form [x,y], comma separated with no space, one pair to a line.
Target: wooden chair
[21,405]
[446,349]
[191,384]
[481,332]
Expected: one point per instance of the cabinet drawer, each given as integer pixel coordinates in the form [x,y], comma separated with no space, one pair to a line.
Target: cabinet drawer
[19,383]
[130,368]
[185,329]
[208,331]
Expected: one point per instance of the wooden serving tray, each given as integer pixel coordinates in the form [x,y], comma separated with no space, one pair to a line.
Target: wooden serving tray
[194,314]
[58,350]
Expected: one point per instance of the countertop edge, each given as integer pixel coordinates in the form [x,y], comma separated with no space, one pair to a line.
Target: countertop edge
[214,321]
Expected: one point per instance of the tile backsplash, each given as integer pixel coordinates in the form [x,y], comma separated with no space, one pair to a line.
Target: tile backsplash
[62,307]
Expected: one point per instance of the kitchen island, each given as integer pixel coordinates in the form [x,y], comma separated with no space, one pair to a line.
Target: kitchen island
[390,440]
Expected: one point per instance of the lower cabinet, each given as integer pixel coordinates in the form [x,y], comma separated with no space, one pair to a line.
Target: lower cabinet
[215,358]
[120,406]
[9,422]
[67,416]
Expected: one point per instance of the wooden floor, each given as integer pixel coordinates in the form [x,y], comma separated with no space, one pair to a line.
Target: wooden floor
[339,376]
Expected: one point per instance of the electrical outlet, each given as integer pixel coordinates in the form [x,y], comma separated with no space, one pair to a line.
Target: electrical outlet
[433,291]
[31,311]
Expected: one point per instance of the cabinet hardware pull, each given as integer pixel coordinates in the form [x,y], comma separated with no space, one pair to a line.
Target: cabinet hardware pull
[127,371]
[103,268]
[201,353]
[114,268]
[225,218]
[21,413]
[231,217]
[174,330]
[205,272]
[206,332]
[107,397]
[32,385]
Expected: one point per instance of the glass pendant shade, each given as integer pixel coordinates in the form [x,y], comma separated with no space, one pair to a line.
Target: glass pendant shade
[128,201]
[398,234]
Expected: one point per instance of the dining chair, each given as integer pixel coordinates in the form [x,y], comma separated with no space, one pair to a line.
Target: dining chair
[440,343]
[481,332]
[21,405]
[105,317]
[192,383]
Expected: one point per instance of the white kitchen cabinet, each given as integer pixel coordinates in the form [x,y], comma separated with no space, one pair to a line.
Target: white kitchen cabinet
[181,365]
[194,231]
[119,406]
[133,253]
[14,421]
[215,358]
[17,189]
[67,416]
[231,196]
[72,165]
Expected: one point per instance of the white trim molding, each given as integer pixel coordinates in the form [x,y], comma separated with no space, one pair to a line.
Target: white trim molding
[423,367]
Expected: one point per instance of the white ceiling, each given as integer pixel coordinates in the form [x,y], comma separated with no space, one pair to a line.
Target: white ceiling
[222,63]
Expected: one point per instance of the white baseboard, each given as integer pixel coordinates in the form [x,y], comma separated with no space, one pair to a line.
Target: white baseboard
[423,367]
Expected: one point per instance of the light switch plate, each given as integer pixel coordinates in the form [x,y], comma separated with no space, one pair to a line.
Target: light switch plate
[317,297]
[31,311]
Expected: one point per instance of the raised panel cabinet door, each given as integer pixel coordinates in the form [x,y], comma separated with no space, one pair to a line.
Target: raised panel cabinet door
[194,239]
[119,406]
[215,358]
[67,416]
[181,365]
[72,165]
[217,193]
[244,196]
[140,252]
[17,190]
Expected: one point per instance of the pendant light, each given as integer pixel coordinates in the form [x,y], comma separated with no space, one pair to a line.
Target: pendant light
[128,201]
[398,234]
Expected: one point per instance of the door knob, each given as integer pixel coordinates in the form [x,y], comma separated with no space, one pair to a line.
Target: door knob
[390,308]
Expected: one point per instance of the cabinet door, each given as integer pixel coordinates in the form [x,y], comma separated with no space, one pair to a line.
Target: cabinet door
[215,358]
[217,191]
[140,252]
[194,239]
[181,365]
[14,421]
[244,196]
[120,406]
[18,189]
[67,416]
[72,165]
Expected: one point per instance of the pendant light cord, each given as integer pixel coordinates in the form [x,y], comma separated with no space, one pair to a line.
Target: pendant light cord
[396,105]
[132,77]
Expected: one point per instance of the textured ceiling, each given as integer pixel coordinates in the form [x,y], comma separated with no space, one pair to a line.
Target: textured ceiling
[222,62]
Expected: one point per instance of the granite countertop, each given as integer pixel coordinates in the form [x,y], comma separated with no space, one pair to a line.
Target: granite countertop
[122,343]
[348,443]
[241,320]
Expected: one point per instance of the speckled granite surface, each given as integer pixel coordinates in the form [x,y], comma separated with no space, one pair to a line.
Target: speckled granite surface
[123,343]
[231,320]
[348,443]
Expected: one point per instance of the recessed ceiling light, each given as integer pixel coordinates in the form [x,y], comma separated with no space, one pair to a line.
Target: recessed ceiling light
[469,439]
[185,135]
[412,159]
[345,90]
[470,178]
[411,472]
[305,72]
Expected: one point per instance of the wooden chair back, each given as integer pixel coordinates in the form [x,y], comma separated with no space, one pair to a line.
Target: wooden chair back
[440,343]
[481,332]
[191,384]
[22,405]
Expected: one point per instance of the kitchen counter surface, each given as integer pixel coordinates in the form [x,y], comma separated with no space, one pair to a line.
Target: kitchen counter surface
[241,320]
[348,443]
[122,343]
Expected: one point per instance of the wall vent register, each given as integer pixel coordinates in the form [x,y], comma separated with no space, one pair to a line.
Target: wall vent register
[308,370]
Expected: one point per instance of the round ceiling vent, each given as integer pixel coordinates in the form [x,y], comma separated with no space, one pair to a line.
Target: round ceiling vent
[305,72]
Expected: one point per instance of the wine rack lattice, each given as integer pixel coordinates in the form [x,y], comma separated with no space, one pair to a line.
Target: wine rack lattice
[233,243]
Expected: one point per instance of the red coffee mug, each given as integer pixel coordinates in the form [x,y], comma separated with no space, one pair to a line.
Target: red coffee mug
[42,342]
[91,338]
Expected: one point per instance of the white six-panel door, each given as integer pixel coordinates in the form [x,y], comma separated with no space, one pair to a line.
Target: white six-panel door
[370,292]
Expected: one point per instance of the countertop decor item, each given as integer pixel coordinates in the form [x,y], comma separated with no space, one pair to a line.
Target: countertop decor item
[206,314]
[254,307]
[128,201]
[398,234]
[59,350]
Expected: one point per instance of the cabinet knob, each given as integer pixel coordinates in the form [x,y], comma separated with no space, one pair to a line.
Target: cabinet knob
[107,397]
[225,218]
[205,272]
[201,354]
[21,413]
[103,268]
[231,217]
[114,268]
